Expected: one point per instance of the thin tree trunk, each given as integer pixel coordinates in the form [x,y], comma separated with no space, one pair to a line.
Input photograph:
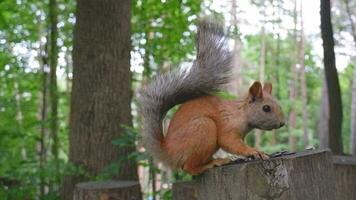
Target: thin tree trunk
[258,133]
[335,105]
[68,70]
[153,179]
[352,23]
[293,90]
[353,116]
[235,86]
[323,131]
[19,116]
[278,50]
[303,85]
[353,101]
[147,72]
[43,119]
[101,92]
[276,9]
[53,90]
[43,62]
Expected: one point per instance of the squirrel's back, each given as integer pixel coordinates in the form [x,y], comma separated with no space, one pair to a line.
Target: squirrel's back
[206,106]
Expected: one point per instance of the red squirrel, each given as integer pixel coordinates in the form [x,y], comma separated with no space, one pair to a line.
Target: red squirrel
[204,122]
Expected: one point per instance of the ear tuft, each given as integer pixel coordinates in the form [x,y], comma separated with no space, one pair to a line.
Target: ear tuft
[267,87]
[256,90]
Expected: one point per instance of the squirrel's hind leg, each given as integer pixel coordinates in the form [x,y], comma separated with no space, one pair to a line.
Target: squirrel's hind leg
[198,169]
[203,144]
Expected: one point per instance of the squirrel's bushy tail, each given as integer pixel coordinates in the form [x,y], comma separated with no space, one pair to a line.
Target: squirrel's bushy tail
[209,72]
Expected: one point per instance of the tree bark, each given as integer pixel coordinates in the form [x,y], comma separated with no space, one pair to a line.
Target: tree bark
[153,179]
[43,129]
[43,62]
[108,190]
[332,80]
[184,191]
[235,86]
[258,133]
[353,116]
[101,93]
[352,23]
[19,115]
[303,84]
[276,9]
[345,180]
[53,89]
[68,70]
[353,101]
[305,175]
[293,90]
[323,132]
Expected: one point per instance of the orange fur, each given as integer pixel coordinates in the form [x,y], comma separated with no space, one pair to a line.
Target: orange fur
[201,126]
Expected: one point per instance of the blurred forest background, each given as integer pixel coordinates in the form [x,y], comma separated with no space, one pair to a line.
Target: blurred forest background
[60,124]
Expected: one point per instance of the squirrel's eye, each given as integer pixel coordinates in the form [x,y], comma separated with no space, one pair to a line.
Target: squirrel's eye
[266,108]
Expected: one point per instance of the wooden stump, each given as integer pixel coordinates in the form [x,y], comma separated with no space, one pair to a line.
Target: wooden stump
[108,190]
[184,191]
[306,175]
[345,172]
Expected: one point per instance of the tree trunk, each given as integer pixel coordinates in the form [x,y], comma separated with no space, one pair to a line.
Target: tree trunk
[332,80]
[153,179]
[258,133]
[345,180]
[353,116]
[146,75]
[305,175]
[43,129]
[108,190]
[53,90]
[353,101]
[323,132]
[276,9]
[19,115]
[68,70]
[184,191]
[43,62]
[101,93]
[235,86]
[293,90]
[352,23]
[303,84]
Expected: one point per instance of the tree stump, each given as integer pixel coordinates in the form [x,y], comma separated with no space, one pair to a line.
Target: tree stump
[345,172]
[184,191]
[305,175]
[108,190]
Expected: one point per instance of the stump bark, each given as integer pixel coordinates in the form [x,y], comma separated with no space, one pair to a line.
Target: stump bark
[305,175]
[108,190]
[345,172]
[184,191]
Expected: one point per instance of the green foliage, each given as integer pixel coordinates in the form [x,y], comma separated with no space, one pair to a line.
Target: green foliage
[163,31]
[22,26]
[163,36]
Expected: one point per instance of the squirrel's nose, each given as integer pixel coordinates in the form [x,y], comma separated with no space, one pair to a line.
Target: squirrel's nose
[281,124]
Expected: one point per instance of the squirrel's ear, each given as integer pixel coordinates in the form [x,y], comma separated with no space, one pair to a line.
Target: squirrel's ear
[256,90]
[267,87]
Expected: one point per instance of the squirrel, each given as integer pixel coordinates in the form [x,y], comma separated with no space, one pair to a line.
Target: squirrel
[204,122]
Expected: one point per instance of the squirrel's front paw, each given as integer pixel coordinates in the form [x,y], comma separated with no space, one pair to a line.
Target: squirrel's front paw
[257,154]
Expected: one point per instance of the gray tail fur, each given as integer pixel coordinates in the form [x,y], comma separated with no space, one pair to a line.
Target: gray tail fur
[210,71]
